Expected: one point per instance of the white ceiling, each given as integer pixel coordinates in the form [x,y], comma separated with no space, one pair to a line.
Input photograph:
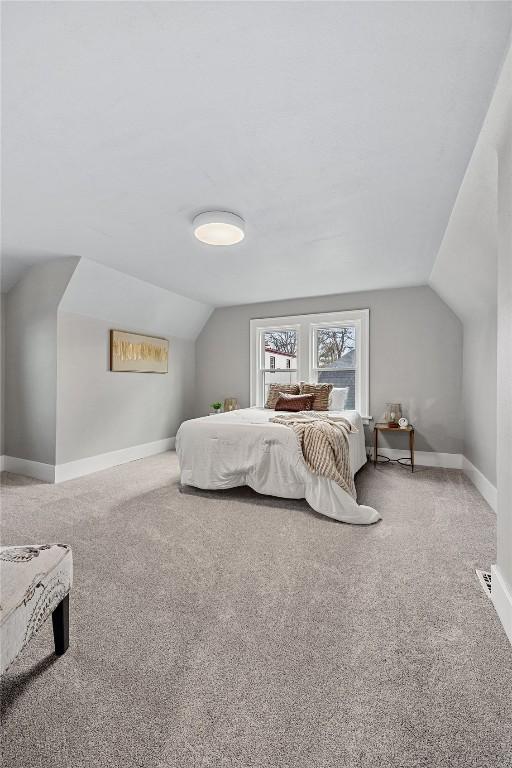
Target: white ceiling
[339,131]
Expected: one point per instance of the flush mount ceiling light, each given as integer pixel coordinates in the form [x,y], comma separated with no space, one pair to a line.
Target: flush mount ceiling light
[219,228]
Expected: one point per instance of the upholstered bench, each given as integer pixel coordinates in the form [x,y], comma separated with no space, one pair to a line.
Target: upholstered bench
[34,582]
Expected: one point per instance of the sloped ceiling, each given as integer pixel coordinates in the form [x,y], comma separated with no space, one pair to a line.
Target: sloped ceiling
[339,131]
[126,302]
[465,271]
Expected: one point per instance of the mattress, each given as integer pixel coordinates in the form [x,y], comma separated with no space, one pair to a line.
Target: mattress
[244,447]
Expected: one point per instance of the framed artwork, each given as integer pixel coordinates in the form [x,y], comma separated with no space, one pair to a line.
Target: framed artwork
[136,353]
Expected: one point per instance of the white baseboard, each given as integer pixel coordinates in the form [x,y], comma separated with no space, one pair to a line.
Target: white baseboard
[36,469]
[422,458]
[71,469]
[482,484]
[448,461]
[502,599]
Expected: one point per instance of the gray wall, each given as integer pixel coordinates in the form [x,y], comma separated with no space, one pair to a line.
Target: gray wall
[2,374]
[31,360]
[465,275]
[100,411]
[473,273]
[62,402]
[415,357]
[479,392]
[502,114]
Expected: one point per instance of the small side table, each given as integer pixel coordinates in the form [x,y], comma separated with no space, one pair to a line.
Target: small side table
[379,427]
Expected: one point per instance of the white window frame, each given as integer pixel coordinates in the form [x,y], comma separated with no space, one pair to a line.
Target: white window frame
[306,325]
[258,369]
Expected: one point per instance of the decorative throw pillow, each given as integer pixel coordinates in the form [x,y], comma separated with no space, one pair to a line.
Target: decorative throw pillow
[294,402]
[338,399]
[321,393]
[275,389]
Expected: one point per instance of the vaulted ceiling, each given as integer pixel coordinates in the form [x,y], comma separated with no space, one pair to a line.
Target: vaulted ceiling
[339,131]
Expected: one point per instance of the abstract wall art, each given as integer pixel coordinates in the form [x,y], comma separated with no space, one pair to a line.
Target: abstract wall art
[136,353]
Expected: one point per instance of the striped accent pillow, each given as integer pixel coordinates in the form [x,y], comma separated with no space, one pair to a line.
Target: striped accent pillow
[275,389]
[321,392]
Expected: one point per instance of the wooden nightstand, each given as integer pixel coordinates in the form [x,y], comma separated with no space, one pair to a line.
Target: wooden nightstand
[379,427]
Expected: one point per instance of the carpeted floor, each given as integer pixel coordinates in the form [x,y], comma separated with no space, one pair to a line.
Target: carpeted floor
[233,630]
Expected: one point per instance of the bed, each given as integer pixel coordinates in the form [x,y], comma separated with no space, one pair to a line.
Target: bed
[244,447]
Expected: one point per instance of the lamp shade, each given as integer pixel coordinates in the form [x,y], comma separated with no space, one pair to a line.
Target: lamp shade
[393,413]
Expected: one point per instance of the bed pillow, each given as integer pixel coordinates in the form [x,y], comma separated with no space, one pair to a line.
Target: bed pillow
[338,399]
[296,403]
[320,391]
[275,389]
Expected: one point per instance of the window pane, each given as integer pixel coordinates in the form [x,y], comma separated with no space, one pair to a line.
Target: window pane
[282,346]
[341,378]
[277,377]
[336,347]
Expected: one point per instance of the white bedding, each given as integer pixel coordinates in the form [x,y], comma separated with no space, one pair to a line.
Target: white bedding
[244,448]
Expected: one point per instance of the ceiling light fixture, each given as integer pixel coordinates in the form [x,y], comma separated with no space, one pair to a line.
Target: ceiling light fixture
[219,228]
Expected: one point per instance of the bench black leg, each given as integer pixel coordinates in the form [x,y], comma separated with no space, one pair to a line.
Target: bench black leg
[60,621]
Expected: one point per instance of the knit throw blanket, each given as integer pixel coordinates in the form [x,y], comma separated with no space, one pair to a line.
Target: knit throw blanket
[323,440]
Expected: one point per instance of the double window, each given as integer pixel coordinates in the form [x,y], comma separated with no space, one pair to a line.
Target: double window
[329,347]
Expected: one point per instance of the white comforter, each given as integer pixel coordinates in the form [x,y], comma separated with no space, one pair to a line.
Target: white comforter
[244,448]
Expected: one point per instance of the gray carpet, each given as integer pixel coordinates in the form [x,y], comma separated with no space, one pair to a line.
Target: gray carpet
[233,630]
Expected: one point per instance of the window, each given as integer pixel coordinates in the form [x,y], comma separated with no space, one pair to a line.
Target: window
[275,358]
[335,358]
[330,347]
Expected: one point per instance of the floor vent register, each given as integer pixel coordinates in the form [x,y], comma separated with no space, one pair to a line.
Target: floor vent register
[485,580]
